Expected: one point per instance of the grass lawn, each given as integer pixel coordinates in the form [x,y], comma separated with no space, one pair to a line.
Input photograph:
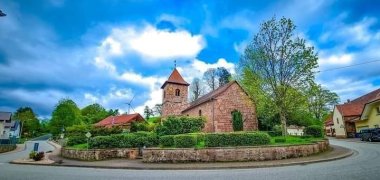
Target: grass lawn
[79,146]
[293,140]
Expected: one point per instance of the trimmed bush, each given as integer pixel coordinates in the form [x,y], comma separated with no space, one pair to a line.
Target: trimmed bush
[236,139]
[185,141]
[167,140]
[37,156]
[131,140]
[279,140]
[74,140]
[174,125]
[274,133]
[314,130]
[237,120]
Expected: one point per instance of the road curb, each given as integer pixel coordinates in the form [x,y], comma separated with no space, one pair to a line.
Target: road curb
[345,155]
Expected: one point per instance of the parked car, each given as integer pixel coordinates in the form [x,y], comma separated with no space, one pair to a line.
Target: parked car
[371,134]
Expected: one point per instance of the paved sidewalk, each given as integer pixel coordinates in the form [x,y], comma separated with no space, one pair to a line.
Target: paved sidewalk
[335,153]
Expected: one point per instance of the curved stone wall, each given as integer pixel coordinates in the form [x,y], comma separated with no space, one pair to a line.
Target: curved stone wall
[99,154]
[228,154]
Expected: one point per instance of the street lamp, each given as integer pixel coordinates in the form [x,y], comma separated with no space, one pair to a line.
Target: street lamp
[2,14]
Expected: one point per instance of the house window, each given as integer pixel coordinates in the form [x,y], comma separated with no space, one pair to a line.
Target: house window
[200,112]
[177,92]
[378,110]
[337,120]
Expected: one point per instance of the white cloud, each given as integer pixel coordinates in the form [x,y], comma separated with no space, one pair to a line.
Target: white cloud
[150,43]
[343,59]
[115,98]
[161,44]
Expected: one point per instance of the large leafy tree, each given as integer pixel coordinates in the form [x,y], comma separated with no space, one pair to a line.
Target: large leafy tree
[30,123]
[321,100]
[65,114]
[224,76]
[282,62]
[93,113]
[196,89]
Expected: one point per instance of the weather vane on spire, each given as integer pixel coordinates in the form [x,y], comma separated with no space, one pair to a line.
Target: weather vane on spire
[175,64]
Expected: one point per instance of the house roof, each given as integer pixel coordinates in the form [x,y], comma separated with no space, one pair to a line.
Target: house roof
[5,115]
[209,96]
[120,120]
[175,78]
[329,120]
[356,106]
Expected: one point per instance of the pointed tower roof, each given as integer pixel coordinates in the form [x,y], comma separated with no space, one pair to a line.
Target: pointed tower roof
[175,78]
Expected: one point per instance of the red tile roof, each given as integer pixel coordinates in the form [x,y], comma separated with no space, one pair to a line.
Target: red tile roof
[329,120]
[175,78]
[356,106]
[120,120]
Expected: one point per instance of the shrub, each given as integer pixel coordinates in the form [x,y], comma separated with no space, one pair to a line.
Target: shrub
[314,130]
[77,130]
[167,140]
[279,140]
[142,126]
[236,139]
[36,156]
[131,140]
[103,131]
[74,140]
[32,154]
[274,133]
[185,141]
[180,125]
[237,120]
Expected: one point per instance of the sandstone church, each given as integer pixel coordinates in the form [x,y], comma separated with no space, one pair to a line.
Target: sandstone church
[216,106]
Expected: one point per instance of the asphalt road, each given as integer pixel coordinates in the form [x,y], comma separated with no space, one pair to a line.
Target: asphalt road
[363,165]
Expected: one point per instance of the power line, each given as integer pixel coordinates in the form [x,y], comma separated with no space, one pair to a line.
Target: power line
[343,67]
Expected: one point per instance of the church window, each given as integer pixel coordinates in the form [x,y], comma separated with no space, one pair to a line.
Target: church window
[177,92]
[200,112]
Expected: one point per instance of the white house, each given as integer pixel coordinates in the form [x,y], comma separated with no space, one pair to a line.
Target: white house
[8,127]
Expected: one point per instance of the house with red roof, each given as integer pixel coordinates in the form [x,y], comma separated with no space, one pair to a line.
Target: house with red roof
[347,117]
[216,106]
[124,121]
[329,126]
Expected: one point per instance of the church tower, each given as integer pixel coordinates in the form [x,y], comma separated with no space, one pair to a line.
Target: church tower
[175,93]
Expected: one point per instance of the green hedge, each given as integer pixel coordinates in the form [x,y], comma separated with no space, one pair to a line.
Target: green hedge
[180,125]
[73,140]
[185,141]
[279,140]
[131,140]
[167,140]
[236,139]
[314,130]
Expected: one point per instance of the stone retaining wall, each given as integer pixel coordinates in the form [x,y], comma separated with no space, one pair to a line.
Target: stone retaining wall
[99,154]
[226,154]
[7,147]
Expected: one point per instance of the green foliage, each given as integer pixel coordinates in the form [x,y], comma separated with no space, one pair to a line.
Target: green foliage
[65,114]
[93,113]
[148,112]
[30,123]
[321,100]
[237,120]
[167,140]
[103,131]
[280,140]
[36,156]
[185,141]
[74,140]
[180,125]
[142,126]
[77,130]
[273,133]
[131,140]
[314,130]
[236,139]
[223,76]
[281,65]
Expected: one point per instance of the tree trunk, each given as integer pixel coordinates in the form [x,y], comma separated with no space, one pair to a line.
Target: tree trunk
[283,123]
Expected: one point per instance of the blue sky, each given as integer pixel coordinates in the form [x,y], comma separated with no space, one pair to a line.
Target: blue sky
[107,51]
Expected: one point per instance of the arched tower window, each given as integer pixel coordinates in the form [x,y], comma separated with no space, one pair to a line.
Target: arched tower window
[200,112]
[177,92]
